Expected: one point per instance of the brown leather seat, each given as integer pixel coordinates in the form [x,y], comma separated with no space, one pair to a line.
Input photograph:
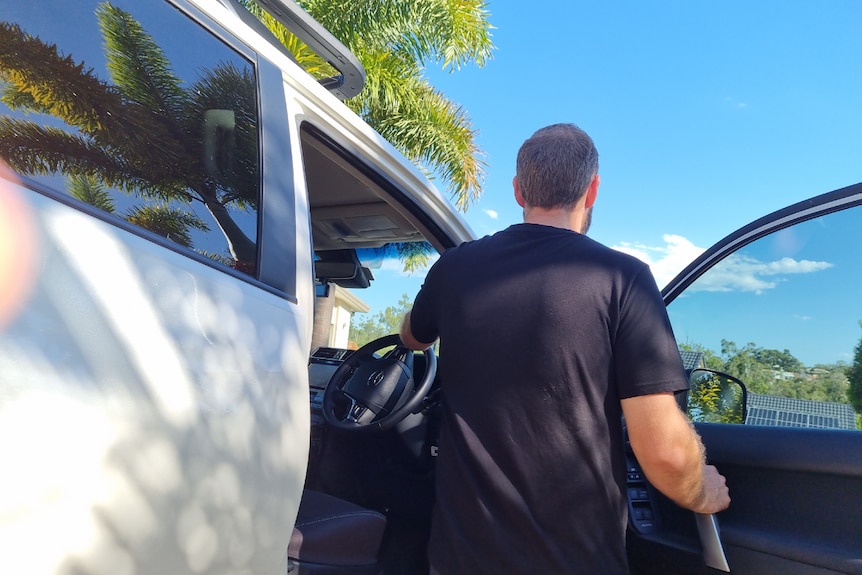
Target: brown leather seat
[332,536]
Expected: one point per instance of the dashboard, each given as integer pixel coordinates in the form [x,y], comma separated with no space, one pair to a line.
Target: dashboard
[321,366]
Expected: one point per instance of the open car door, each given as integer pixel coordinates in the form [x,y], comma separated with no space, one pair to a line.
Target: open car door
[777,305]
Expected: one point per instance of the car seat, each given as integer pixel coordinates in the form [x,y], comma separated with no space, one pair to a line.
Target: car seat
[334,537]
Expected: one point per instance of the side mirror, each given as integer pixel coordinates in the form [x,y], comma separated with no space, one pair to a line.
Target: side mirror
[715,397]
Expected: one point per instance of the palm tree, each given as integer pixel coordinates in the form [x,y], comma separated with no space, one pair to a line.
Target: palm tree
[394,40]
[143,133]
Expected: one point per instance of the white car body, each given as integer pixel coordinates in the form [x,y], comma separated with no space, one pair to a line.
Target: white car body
[154,406]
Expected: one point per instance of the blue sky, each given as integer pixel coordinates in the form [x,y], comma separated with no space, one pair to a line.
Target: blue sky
[706,115]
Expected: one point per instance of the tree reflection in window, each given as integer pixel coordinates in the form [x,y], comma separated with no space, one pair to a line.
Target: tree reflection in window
[172,147]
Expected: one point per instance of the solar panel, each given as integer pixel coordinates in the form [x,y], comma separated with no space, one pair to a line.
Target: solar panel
[791,412]
[787,411]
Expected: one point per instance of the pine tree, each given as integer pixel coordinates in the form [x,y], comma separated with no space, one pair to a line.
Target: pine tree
[854,375]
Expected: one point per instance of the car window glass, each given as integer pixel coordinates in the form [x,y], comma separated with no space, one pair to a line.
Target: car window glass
[783,314]
[133,108]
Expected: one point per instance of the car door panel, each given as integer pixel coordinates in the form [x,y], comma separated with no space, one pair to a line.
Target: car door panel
[795,504]
[795,484]
[795,492]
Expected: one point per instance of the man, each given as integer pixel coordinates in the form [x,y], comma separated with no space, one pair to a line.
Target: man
[546,339]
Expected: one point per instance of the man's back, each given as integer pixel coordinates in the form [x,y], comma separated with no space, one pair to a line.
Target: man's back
[546,338]
[537,343]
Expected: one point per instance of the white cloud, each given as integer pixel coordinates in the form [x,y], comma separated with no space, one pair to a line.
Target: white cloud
[492,214]
[791,266]
[743,273]
[664,261]
[736,103]
[736,273]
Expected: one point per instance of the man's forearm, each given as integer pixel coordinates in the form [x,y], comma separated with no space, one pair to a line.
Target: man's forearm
[675,467]
[690,483]
[672,455]
[407,337]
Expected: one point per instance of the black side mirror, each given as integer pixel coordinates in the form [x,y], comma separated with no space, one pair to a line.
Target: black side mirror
[715,397]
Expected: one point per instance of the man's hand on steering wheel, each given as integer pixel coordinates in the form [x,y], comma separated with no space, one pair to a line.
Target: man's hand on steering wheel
[379,391]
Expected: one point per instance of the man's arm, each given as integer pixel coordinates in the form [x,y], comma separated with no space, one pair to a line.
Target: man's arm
[671,454]
[407,336]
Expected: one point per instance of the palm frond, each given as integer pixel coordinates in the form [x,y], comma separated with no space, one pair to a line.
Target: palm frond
[469,36]
[137,64]
[33,149]
[152,93]
[40,79]
[173,223]
[91,190]
[224,259]
[394,39]
[414,255]
[17,99]
[391,77]
[452,32]
[433,132]
[304,56]
[57,150]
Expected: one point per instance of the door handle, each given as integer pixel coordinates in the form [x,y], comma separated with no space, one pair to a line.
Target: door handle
[710,540]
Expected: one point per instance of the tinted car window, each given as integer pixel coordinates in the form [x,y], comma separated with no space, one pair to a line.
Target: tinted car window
[134,109]
[783,315]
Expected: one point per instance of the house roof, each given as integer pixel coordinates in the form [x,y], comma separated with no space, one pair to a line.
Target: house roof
[349,300]
[691,359]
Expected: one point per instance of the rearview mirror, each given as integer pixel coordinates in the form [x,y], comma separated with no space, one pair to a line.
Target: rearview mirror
[715,397]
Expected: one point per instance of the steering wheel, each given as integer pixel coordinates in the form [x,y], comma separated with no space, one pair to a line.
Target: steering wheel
[380,392]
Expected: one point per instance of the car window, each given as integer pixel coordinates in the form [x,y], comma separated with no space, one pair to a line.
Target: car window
[783,314]
[134,109]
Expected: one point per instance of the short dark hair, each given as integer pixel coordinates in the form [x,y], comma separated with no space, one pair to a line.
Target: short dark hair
[555,166]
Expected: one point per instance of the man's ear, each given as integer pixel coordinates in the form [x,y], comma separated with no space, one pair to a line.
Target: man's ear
[592,192]
[519,197]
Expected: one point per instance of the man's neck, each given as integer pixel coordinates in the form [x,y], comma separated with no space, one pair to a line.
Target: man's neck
[557,217]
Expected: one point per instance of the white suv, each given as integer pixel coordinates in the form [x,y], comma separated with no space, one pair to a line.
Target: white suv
[187,220]
[180,197]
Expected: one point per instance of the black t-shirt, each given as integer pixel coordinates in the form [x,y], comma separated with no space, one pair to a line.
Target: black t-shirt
[542,332]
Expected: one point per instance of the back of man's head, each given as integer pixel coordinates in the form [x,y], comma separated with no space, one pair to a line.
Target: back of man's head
[555,166]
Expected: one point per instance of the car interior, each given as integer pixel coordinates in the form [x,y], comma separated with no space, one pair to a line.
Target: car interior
[369,486]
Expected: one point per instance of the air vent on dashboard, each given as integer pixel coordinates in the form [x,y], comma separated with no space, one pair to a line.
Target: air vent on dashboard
[331,353]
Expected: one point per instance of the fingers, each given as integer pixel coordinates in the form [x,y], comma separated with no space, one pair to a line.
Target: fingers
[716,494]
